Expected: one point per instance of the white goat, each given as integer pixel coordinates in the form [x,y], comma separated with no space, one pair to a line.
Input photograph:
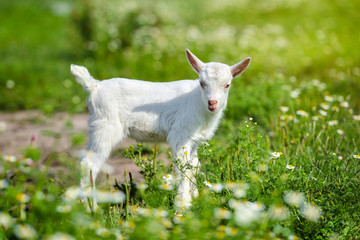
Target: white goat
[183,113]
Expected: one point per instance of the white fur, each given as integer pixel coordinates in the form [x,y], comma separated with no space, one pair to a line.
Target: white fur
[183,113]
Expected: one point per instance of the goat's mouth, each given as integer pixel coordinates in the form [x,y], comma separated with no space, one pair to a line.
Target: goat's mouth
[213,108]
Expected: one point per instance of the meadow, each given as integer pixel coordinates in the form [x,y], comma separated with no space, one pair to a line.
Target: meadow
[284,163]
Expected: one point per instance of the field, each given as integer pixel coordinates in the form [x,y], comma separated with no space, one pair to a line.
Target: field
[284,163]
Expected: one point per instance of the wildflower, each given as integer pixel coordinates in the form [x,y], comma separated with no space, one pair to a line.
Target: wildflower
[248,212]
[302,113]
[333,123]
[217,187]
[239,193]
[311,212]
[9,158]
[290,117]
[22,197]
[293,237]
[324,106]
[356,117]
[208,184]
[275,155]
[222,213]
[234,204]
[295,93]
[144,211]
[141,186]
[63,208]
[344,104]
[24,231]
[356,156]
[206,144]
[161,213]
[279,212]
[294,198]
[283,117]
[328,98]
[178,213]
[167,179]
[28,161]
[231,231]
[72,193]
[314,178]
[167,223]
[6,220]
[291,167]
[166,187]
[315,118]
[322,112]
[340,132]
[231,185]
[10,84]
[250,119]
[284,108]
[335,108]
[103,232]
[60,236]
[4,183]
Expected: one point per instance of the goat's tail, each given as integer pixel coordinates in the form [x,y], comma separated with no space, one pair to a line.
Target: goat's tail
[83,77]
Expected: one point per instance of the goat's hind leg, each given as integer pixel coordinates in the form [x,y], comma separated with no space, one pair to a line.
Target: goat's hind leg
[104,134]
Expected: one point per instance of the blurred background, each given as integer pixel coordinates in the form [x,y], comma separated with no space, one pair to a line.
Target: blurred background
[291,43]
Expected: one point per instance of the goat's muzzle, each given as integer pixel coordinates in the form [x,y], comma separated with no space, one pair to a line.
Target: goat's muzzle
[213,105]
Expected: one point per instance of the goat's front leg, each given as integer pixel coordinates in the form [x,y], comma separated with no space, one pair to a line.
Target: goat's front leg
[187,166]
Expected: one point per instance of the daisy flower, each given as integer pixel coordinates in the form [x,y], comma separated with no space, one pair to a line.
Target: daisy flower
[294,198]
[356,117]
[344,104]
[328,98]
[141,186]
[339,131]
[167,179]
[217,187]
[284,108]
[208,184]
[222,213]
[356,156]
[275,155]
[311,212]
[24,231]
[302,113]
[333,122]
[291,167]
[166,187]
[322,113]
[324,106]
[178,214]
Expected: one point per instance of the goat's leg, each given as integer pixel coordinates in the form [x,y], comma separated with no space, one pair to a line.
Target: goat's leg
[194,170]
[185,169]
[104,134]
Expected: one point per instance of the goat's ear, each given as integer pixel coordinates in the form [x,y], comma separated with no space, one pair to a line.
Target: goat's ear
[238,68]
[196,63]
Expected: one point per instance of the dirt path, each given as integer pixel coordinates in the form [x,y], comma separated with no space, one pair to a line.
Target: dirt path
[17,130]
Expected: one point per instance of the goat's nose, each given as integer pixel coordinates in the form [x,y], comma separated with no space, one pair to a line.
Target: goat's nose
[212,102]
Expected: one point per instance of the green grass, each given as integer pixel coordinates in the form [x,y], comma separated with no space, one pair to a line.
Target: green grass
[304,57]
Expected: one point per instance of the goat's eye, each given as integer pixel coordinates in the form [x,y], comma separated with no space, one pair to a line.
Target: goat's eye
[227,86]
[202,84]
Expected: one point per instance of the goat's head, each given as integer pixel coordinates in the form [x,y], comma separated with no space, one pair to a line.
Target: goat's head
[215,79]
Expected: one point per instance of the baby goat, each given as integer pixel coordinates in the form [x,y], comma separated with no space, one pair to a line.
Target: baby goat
[183,113]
